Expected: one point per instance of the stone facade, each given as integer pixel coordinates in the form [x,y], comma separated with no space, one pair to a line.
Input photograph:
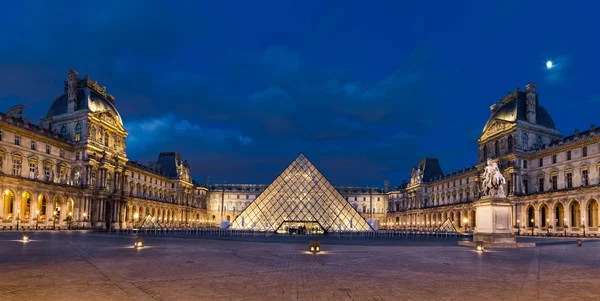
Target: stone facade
[72,170]
[552,182]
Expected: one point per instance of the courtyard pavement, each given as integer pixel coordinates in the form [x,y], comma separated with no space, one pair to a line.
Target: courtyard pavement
[72,265]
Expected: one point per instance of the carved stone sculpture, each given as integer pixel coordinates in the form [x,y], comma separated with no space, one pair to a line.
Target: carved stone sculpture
[492,181]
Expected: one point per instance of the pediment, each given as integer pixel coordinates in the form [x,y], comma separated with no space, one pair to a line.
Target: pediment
[496,127]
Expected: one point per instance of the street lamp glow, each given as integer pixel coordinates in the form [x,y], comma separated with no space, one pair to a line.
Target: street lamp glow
[549,64]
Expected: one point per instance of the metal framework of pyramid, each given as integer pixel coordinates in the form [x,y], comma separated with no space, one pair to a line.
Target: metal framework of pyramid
[447,226]
[150,223]
[300,194]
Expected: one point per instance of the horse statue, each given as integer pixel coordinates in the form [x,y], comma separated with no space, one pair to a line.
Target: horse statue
[492,184]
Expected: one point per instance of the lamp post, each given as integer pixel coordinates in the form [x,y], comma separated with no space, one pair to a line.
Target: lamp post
[583,225]
[54,220]
[518,229]
[565,225]
[70,219]
[18,217]
[548,226]
[532,226]
[466,222]
[37,218]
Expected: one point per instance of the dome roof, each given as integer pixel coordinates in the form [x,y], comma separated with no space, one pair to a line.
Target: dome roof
[514,109]
[87,99]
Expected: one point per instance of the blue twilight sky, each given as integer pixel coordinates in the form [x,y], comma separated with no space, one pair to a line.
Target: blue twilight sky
[364,88]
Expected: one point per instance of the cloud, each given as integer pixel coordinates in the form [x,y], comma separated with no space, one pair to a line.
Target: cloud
[146,134]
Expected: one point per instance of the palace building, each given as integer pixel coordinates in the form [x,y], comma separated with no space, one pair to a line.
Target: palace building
[72,170]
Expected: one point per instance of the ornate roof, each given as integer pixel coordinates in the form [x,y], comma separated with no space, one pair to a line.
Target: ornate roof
[89,97]
[513,108]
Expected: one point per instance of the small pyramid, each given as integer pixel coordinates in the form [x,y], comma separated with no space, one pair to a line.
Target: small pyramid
[300,194]
[447,226]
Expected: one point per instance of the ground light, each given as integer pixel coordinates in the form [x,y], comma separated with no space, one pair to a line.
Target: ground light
[479,246]
[315,246]
[25,237]
[139,242]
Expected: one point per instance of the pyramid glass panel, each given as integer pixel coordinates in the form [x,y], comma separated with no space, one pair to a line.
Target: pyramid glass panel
[300,195]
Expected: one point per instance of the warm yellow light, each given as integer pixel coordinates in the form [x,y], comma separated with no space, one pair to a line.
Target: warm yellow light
[37,212]
[312,248]
[465,220]
[532,220]
[18,210]
[84,214]
[70,213]
[317,248]
[479,248]
[136,215]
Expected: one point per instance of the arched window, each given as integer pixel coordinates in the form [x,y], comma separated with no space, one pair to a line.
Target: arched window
[530,217]
[497,148]
[592,213]
[41,208]
[485,151]
[525,141]
[78,132]
[63,132]
[105,138]
[544,216]
[9,203]
[509,141]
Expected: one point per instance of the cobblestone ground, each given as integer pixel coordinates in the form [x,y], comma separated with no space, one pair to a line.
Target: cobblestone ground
[78,266]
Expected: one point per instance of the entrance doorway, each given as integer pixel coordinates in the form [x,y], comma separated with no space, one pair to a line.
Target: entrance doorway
[300,228]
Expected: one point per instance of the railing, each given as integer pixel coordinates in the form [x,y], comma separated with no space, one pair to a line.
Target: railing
[218,232]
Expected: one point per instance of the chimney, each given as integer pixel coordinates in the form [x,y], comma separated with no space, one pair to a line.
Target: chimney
[72,81]
[531,103]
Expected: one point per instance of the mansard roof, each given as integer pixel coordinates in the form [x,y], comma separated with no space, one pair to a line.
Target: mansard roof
[513,107]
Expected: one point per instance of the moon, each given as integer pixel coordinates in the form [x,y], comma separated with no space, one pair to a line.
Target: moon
[549,64]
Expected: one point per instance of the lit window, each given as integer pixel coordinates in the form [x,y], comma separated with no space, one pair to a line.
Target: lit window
[78,132]
[105,139]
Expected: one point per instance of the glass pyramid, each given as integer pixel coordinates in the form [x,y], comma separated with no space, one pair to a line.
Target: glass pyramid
[301,195]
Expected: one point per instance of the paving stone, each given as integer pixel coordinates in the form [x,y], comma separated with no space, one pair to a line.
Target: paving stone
[63,266]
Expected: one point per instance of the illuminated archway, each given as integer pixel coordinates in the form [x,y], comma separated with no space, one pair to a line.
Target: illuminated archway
[25,208]
[42,207]
[9,204]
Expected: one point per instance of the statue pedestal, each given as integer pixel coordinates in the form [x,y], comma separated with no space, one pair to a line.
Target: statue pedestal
[493,221]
